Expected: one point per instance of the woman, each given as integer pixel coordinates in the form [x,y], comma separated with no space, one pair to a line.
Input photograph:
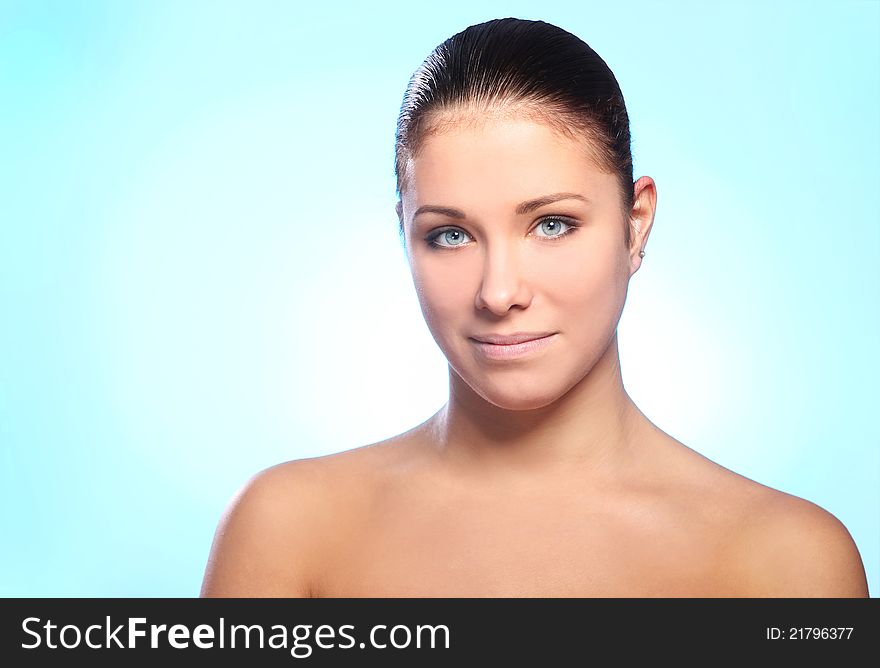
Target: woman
[540,476]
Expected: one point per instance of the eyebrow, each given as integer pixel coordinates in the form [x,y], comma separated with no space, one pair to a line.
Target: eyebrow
[525,207]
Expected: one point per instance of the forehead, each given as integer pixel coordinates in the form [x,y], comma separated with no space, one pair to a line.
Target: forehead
[504,160]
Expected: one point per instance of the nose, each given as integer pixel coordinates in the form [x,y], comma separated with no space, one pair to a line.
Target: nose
[502,283]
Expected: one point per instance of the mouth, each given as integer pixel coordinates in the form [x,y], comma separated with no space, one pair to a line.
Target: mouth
[513,350]
[507,339]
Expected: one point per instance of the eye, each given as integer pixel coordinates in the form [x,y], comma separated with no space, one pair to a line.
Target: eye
[454,236]
[552,224]
[450,234]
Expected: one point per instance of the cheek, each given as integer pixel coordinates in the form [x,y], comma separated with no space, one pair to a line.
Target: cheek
[585,281]
[443,293]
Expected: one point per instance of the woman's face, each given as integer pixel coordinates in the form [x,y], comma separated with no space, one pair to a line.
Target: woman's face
[497,266]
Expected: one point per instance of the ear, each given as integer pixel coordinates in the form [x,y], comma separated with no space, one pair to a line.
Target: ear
[641,218]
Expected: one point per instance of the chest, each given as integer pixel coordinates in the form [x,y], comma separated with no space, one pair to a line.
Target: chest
[527,549]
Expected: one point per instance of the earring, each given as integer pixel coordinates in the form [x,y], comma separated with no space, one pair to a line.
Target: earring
[641,253]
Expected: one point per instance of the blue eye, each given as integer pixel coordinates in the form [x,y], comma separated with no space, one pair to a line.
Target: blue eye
[453,235]
[555,220]
[449,234]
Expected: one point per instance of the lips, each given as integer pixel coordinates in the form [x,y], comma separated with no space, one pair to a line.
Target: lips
[530,345]
[510,339]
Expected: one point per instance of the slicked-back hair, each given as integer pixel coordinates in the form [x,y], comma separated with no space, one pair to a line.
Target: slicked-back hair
[516,67]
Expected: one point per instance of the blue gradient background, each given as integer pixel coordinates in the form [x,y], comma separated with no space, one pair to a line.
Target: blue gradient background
[197,201]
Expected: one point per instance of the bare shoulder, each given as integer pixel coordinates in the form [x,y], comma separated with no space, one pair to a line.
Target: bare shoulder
[278,524]
[258,548]
[786,546]
[773,544]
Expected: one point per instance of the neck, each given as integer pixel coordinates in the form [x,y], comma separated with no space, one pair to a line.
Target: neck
[593,428]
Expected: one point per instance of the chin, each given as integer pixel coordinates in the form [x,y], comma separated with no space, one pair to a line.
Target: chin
[516,396]
[520,403]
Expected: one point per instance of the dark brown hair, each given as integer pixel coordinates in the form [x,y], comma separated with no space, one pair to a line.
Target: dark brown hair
[516,66]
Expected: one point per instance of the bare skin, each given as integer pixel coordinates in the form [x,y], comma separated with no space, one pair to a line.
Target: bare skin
[393,520]
[427,526]
[540,476]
